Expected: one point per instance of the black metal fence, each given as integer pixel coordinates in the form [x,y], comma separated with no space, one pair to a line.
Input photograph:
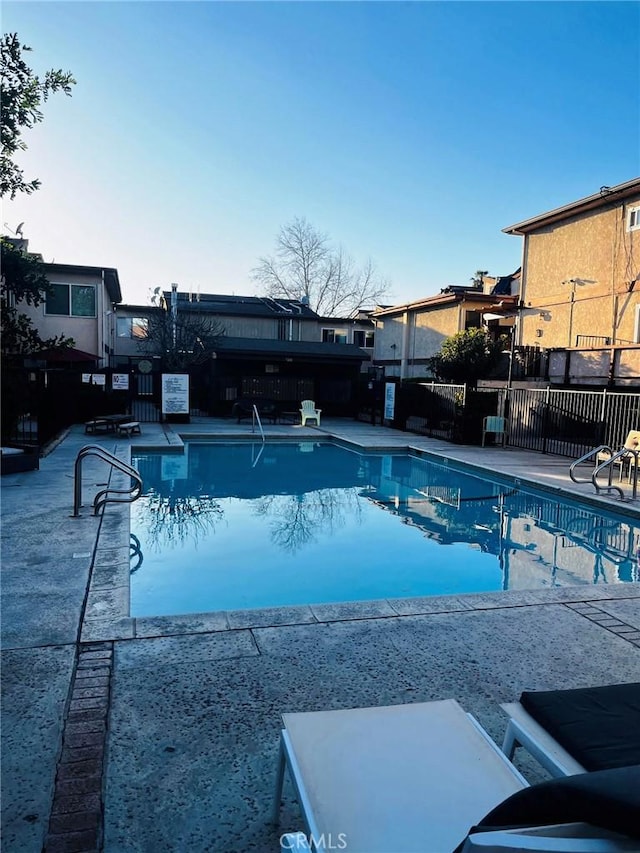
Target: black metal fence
[569,423]
[564,422]
[37,405]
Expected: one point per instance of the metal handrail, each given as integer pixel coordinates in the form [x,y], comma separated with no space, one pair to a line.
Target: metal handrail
[102,498]
[593,479]
[255,416]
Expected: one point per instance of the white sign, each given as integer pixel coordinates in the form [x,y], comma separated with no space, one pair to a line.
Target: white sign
[120,382]
[389,400]
[175,466]
[86,377]
[99,379]
[175,393]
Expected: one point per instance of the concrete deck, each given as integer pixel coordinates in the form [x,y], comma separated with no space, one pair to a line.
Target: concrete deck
[168,727]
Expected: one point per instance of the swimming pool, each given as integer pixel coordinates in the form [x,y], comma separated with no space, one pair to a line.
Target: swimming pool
[231,526]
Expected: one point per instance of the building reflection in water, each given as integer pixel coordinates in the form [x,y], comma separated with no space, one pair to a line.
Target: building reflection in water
[308,490]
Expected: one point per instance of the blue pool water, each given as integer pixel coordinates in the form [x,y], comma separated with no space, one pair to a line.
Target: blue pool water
[235,526]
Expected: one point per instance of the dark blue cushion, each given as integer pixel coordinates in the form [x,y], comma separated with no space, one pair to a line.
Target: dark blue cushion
[606,798]
[598,726]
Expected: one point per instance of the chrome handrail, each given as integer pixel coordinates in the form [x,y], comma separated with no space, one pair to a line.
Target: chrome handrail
[255,416]
[102,498]
[593,479]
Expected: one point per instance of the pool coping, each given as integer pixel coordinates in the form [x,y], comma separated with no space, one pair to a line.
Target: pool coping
[107,612]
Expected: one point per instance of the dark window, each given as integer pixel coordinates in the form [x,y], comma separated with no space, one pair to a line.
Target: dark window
[334,336]
[71,300]
[363,339]
[58,300]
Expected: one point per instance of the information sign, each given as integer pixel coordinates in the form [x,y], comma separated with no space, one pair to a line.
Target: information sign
[389,400]
[175,393]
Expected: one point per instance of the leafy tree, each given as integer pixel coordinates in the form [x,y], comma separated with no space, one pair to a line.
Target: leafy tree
[183,339]
[23,92]
[477,279]
[308,268]
[466,357]
[23,280]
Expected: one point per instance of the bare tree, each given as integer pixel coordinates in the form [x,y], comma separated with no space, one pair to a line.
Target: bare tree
[297,520]
[306,267]
[171,520]
[182,339]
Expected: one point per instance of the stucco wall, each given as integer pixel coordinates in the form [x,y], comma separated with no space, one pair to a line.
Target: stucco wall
[83,330]
[426,331]
[619,365]
[596,250]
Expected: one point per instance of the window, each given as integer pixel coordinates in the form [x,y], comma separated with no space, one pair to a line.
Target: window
[132,327]
[334,336]
[71,300]
[363,339]
[633,222]
[472,320]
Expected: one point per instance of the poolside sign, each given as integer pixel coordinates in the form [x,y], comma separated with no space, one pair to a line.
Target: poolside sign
[389,400]
[175,393]
[120,382]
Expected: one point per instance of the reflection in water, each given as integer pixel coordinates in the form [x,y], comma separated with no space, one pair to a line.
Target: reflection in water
[308,523]
[169,521]
[298,520]
[136,557]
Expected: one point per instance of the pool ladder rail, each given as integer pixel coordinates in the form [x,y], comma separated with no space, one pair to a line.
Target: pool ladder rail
[613,458]
[107,495]
[255,418]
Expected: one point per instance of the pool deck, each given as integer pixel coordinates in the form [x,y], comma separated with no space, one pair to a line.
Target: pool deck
[161,734]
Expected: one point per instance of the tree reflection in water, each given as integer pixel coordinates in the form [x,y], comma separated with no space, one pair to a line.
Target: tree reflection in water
[297,520]
[171,520]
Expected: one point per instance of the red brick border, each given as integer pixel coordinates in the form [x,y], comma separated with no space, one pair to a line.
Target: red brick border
[75,824]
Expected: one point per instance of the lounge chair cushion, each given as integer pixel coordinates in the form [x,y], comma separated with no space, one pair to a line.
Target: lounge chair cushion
[609,799]
[598,726]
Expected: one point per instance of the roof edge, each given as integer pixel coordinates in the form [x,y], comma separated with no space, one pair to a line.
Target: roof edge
[603,197]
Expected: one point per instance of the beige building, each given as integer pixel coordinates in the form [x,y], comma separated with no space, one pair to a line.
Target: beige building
[81,306]
[408,335]
[581,272]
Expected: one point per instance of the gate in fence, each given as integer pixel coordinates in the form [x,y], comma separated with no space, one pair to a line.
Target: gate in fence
[563,422]
[570,423]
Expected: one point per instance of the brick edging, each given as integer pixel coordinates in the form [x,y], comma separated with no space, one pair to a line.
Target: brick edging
[606,620]
[76,824]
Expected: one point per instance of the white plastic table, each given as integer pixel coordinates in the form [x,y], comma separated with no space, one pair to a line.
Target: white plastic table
[393,779]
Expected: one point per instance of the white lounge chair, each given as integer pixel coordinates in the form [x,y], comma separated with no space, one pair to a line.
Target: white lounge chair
[557,838]
[389,778]
[308,410]
[417,777]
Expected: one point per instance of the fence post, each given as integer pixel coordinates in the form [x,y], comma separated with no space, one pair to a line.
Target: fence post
[545,417]
[603,416]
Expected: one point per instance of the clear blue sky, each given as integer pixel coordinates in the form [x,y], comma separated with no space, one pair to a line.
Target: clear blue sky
[411,133]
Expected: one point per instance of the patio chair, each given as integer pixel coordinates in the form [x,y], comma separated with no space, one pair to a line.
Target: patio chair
[390,778]
[496,425]
[308,410]
[622,459]
[412,777]
[575,731]
[598,811]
